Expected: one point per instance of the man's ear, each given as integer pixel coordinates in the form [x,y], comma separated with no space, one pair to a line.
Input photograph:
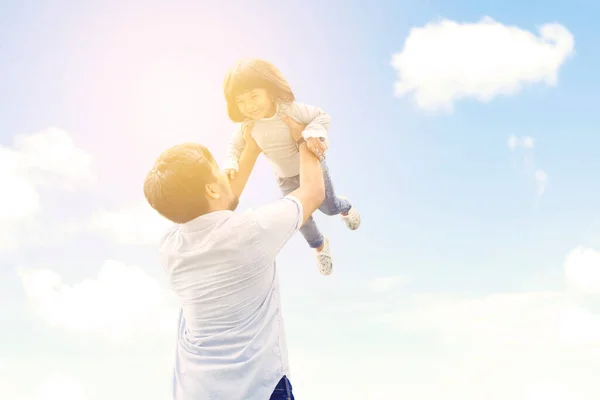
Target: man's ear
[212,190]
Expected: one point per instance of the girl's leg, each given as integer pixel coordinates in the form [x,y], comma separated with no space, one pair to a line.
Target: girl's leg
[311,233]
[309,230]
[333,205]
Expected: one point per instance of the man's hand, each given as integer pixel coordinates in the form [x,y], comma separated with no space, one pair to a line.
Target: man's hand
[295,128]
[316,145]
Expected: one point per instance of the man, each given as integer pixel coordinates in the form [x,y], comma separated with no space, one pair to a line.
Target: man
[231,342]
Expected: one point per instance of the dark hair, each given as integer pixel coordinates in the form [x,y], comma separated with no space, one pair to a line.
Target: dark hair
[253,73]
[176,185]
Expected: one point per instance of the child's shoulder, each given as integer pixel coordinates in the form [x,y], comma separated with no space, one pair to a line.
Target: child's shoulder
[291,108]
[239,126]
[294,106]
[287,106]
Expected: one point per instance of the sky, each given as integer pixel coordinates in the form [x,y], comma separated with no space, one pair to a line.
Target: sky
[465,133]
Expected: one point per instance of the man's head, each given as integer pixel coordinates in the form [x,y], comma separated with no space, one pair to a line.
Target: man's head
[186,183]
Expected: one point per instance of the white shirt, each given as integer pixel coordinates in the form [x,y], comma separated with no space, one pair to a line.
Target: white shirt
[273,136]
[231,341]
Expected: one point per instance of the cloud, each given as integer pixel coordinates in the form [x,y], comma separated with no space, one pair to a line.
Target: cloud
[122,301]
[497,319]
[513,142]
[445,61]
[547,390]
[48,157]
[60,386]
[540,176]
[387,283]
[53,152]
[528,318]
[582,270]
[526,142]
[541,181]
[137,224]
[520,345]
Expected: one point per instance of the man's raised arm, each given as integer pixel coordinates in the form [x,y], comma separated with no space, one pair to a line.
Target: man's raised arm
[277,222]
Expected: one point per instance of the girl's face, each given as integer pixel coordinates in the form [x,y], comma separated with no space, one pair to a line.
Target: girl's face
[255,104]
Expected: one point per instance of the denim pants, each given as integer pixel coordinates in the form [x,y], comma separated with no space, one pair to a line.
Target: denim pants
[332,205]
[283,390]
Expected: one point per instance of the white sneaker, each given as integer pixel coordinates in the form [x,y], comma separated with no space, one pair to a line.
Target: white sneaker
[352,220]
[324,259]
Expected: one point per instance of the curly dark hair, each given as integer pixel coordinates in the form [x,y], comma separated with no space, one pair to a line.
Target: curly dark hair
[254,73]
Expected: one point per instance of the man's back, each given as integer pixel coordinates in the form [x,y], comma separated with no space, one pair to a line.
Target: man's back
[231,342]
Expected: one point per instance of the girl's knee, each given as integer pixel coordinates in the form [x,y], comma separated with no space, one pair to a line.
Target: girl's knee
[329,209]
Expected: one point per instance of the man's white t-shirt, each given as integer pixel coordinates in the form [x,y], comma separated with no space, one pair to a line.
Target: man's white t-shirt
[231,341]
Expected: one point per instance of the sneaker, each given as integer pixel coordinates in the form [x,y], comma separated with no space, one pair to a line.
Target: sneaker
[324,259]
[352,220]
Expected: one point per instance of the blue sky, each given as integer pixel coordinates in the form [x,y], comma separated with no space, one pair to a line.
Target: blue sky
[462,283]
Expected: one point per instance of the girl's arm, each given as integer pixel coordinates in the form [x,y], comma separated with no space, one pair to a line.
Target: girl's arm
[316,120]
[247,161]
[234,149]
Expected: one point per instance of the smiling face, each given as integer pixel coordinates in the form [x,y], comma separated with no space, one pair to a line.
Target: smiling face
[255,104]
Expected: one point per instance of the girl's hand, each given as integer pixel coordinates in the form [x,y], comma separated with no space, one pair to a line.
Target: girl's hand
[316,145]
[230,173]
[295,127]
[251,145]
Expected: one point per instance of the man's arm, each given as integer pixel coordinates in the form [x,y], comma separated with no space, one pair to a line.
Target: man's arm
[277,222]
[311,192]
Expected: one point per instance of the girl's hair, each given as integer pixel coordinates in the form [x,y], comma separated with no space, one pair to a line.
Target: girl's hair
[253,73]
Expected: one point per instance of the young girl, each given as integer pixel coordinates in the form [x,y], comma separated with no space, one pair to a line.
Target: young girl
[259,98]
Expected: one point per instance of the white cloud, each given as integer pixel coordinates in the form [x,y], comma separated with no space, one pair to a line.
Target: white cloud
[123,300]
[513,142]
[498,319]
[526,346]
[53,152]
[528,318]
[526,142]
[541,181]
[46,157]
[60,386]
[138,224]
[551,391]
[582,270]
[445,61]
[387,283]
[523,346]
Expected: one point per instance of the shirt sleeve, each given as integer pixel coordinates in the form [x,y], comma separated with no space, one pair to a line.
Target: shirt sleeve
[234,149]
[317,121]
[277,223]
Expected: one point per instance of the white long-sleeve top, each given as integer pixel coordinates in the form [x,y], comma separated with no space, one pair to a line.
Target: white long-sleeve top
[274,137]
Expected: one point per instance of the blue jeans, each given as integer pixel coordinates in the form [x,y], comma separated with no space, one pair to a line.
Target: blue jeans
[283,390]
[332,205]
